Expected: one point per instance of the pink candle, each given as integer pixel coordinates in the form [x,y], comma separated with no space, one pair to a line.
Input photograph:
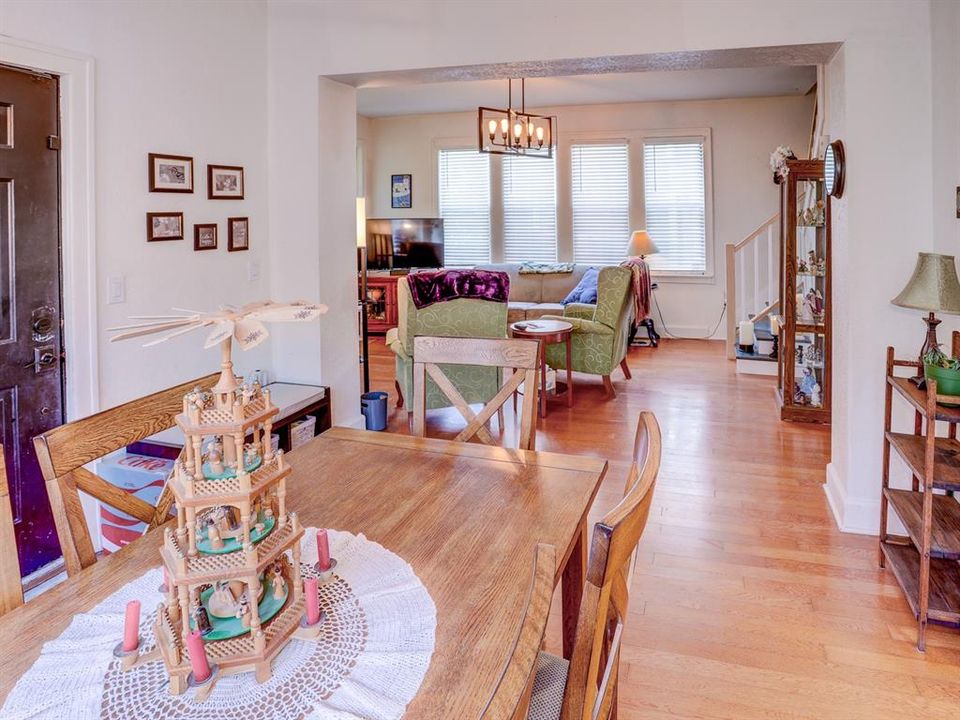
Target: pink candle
[313,600]
[131,626]
[323,549]
[198,656]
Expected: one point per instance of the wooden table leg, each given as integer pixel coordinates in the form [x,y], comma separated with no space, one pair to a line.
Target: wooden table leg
[569,371]
[574,575]
[542,351]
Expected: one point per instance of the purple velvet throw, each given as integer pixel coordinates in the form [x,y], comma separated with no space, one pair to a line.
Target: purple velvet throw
[427,288]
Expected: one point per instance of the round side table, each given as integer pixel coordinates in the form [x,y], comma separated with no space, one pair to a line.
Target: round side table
[547,332]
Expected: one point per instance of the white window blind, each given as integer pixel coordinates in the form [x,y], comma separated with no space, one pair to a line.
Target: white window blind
[529,209]
[675,203]
[600,197]
[464,192]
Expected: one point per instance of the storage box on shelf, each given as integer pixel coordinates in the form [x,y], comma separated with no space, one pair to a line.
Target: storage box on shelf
[925,560]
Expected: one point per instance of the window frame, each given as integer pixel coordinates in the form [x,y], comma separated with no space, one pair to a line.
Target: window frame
[702,135]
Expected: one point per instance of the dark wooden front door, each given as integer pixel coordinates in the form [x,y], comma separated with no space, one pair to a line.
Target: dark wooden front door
[31,383]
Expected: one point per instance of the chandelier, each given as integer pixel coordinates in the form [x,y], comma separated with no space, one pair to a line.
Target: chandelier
[515,132]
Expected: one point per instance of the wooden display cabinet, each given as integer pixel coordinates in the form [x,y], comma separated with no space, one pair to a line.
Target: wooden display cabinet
[804,368]
[381,305]
[925,560]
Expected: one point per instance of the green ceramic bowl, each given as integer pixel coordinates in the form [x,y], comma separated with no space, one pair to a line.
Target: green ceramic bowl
[948,381]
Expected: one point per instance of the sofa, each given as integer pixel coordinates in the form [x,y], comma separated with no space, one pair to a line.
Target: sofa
[536,295]
[463,317]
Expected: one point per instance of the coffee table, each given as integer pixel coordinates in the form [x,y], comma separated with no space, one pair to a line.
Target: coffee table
[548,332]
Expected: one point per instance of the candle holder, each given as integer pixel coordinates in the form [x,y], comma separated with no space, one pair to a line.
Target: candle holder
[325,576]
[128,658]
[306,631]
[204,687]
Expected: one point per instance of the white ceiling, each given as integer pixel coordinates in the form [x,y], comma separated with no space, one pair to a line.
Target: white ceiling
[648,86]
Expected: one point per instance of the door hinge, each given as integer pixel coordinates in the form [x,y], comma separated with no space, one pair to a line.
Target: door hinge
[53,142]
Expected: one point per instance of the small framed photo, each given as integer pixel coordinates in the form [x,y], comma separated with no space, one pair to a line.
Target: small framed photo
[401,191]
[238,234]
[224,182]
[170,173]
[205,236]
[958,203]
[164,226]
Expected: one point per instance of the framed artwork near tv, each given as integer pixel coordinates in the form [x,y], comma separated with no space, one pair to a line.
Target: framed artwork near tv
[401,191]
[205,236]
[224,182]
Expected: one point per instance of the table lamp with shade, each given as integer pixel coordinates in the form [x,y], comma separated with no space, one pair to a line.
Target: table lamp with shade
[934,287]
[639,246]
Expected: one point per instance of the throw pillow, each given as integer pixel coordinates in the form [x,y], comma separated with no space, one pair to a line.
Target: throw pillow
[586,289]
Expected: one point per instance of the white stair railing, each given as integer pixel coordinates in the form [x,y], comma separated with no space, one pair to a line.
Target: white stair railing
[753,277]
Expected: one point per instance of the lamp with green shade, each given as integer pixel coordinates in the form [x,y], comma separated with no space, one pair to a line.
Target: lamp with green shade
[934,287]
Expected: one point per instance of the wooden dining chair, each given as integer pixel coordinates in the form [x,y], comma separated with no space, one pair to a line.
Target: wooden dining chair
[63,452]
[511,699]
[586,687]
[11,589]
[519,355]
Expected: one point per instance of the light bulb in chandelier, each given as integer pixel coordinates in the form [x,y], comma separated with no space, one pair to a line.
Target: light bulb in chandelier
[517,132]
[492,129]
[540,136]
[530,130]
[504,126]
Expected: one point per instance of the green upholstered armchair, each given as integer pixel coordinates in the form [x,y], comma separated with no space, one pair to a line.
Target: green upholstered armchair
[463,317]
[601,331]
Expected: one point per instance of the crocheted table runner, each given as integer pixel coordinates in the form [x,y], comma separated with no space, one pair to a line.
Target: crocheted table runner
[371,657]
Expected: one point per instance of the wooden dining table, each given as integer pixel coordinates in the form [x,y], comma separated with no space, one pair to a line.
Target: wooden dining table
[466,517]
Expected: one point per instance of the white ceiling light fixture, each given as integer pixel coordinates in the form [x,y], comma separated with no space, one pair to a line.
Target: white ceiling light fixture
[515,132]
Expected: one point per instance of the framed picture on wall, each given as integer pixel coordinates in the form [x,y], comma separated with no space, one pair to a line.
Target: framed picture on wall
[401,191]
[164,226]
[170,173]
[238,234]
[205,236]
[224,182]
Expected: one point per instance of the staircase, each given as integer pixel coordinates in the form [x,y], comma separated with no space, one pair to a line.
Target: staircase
[753,291]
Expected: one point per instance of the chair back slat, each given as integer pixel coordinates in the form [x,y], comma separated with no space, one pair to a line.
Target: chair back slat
[511,699]
[521,355]
[63,451]
[11,589]
[591,688]
[82,441]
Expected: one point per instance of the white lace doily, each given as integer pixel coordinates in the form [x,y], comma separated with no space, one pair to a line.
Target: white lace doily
[373,651]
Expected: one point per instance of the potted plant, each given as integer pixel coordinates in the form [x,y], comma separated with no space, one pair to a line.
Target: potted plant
[939,366]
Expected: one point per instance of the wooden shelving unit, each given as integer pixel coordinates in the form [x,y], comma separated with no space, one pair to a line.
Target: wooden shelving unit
[925,561]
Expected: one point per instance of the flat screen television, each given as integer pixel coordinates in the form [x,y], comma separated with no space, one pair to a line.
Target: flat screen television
[394,243]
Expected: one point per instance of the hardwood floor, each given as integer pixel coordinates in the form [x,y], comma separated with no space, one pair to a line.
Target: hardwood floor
[747,602]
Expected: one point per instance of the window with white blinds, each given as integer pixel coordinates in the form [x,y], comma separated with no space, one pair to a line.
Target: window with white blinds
[529,209]
[464,192]
[675,204]
[600,199]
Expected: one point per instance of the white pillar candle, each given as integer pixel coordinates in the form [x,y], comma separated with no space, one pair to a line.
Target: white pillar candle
[774,325]
[746,332]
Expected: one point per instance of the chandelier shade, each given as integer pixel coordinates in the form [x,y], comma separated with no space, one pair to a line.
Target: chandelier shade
[509,131]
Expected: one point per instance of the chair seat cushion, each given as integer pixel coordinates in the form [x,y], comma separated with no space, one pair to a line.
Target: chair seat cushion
[586,289]
[548,686]
[541,309]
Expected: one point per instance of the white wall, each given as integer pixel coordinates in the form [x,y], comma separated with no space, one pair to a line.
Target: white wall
[743,133]
[175,77]
[889,104]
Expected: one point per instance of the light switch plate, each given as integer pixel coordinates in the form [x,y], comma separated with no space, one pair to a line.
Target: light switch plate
[253,270]
[116,290]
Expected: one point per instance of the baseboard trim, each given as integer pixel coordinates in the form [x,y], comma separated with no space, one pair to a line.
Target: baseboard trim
[858,516]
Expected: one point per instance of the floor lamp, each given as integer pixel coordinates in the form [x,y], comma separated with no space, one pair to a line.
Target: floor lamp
[362,262]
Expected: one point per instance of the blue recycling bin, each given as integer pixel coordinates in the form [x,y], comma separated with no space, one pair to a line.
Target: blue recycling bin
[373,405]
